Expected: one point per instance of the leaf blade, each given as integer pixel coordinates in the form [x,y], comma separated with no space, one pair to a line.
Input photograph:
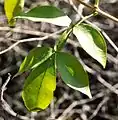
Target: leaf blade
[12,8]
[39,86]
[72,72]
[92,42]
[35,57]
[49,14]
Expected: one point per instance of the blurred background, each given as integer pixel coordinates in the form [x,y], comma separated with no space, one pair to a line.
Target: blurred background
[67,104]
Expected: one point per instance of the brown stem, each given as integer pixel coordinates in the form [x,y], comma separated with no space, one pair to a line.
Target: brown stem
[99,11]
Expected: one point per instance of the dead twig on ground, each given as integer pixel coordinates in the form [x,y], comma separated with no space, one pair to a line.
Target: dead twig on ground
[5,105]
[31,39]
[98,108]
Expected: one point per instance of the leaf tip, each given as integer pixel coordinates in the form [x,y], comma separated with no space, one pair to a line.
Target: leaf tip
[103,63]
[85,90]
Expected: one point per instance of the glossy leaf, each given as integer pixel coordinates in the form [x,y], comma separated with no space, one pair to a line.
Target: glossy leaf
[12,8]
[39,86]
[35,57]
[92,42]
[49,14]
[72,72]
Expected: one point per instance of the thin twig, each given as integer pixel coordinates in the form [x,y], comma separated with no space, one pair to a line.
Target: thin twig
[5,105]
[86,4]
[107,15]
[99,11]
[4,87]
[85,101]
[98,107]
[81,102]
[106,84]
[31,39]
[24,31]
[102,31]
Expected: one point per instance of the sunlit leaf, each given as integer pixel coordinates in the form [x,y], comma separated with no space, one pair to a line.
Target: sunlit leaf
[92,42]
[35,57]
[72,72]
[12,8]
[49,14]
[39,86]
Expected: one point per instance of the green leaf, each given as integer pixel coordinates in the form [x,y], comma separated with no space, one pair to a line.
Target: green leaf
[12,8]
[35,57]
[39,86]
[72,72]
[62,39]
[49,14]
[92,42]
